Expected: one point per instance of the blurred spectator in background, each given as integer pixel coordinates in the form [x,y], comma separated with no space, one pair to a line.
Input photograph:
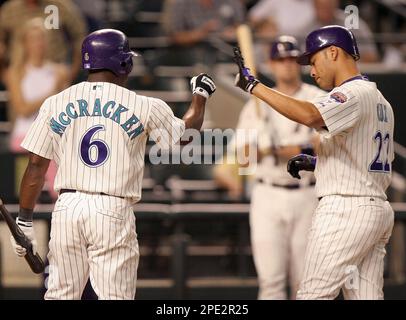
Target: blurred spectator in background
[394,55]
[98,13]
[2,50]
[2,54]
[64,42]
[94,11]
[270,18]
[190,22]
[30,79]
[328,13]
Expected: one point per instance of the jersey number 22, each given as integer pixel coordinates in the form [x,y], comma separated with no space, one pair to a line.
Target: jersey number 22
[381,164]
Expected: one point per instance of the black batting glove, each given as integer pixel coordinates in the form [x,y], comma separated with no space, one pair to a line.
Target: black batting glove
[203,85]
[244,79]
[301,162]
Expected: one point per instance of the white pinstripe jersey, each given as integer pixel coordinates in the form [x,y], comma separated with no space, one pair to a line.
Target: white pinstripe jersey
[97,133]
[356,150]
[276,130]
[281,131]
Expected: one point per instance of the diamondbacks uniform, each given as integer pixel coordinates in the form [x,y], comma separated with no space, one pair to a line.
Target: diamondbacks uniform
[97,132]
[281,206]
[353,221]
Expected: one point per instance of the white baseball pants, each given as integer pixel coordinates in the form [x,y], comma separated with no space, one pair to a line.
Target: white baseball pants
[92,235]
[346,248]
[280,219]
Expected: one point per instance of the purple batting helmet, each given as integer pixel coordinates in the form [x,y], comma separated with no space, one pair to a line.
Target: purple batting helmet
[283,47]
[329,36]
[107,49]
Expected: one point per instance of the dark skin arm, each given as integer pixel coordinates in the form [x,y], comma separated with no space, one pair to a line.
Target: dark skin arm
[194,115]
[33,181]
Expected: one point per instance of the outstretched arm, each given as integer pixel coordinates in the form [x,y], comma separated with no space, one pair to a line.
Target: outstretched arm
[300,111]
[296,110]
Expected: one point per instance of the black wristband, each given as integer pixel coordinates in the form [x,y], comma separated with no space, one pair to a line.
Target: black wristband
[251,85]
[25,214]
[307,149]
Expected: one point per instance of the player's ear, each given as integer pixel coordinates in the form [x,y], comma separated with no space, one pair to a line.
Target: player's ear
[332,53]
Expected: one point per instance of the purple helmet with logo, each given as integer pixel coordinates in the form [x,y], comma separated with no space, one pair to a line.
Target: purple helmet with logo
[283,47]
[329,36]
[107,49]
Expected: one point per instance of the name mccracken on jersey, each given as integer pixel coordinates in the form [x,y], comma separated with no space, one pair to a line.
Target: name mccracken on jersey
[110,110]
[82,129]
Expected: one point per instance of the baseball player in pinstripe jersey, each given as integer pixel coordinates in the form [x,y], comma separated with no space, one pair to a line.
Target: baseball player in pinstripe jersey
[281,207]
[96,131]
[353,221]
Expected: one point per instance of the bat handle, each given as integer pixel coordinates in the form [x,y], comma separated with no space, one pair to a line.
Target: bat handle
[35,262]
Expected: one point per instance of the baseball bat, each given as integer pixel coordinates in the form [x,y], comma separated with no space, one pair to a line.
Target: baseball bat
[34,260]
[245,42]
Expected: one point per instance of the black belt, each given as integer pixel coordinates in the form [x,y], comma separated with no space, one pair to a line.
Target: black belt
[73,191]
[288,186]
[370,199]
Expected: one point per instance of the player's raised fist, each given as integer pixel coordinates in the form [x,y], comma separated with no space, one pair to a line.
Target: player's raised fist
[244,79]
[301,162]
[203,85]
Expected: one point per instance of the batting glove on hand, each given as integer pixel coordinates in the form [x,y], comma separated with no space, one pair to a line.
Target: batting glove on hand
[244,79]
[301,162]
[203,85]
[28,229]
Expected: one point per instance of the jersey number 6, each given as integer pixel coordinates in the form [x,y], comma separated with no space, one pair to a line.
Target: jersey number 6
[93,152]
